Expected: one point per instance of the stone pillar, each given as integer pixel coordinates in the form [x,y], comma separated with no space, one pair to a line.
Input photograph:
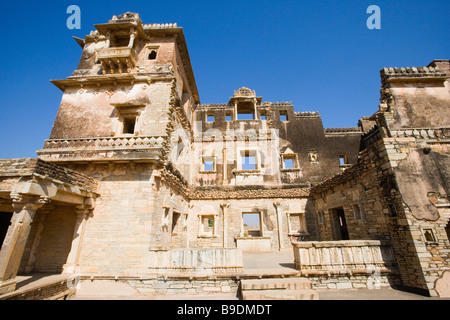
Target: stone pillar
[225,207]
[72,262]
[12,250]
[43,213]
[277,206]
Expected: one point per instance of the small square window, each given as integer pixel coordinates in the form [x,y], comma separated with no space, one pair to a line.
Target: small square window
[343,160]
[392,211]
[208,164]
[248,160]
[152,55]
[262,116]
[128,125]
[357,212]
[429,236]
[210,118]
[207,225]
[228,117]
[283,116]
[289,163]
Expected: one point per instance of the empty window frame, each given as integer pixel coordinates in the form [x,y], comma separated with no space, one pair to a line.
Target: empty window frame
[290,161]
[208,164]
[245,111]
[251,222]
[152,52]
[428,235]
[357,212]
[262,115]
[228,116]
[207,225]
[343,160]
[249,160]
[392,210]
[152,55]
[283,115]
[129,124]
[210,117]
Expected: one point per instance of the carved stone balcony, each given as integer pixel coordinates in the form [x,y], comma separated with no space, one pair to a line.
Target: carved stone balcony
[120,148]
[120,59]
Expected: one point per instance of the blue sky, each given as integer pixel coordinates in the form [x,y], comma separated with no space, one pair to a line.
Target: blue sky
[318,54]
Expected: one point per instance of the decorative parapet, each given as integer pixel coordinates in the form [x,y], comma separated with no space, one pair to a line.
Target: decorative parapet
[214,106]
[422,133]
[412,73]
[105,143]
[343,130]
[344,257]
[244,92]
[307,114]
[150,26]
[140,148]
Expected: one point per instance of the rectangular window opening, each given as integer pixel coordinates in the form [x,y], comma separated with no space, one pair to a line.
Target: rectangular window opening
[207,225]
[128,125]
[357,212]
[429,235]
[283,116]
[245,111]
[343,159]
[228,117]
[289,163]
[208,164]
[210,118]
[252,224]
[392,211]
[248,160]
[262,116]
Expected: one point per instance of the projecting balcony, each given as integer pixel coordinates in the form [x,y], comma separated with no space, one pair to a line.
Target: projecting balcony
[117,60]
[136,148]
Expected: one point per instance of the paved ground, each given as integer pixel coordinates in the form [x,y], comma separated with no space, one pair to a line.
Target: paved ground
[253,262]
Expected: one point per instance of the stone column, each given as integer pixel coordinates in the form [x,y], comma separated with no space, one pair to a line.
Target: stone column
[277,206]
[225,207]
[43,212]
[12,250]
[72,262]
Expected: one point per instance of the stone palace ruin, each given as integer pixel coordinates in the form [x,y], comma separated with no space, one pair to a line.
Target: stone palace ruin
[140,185]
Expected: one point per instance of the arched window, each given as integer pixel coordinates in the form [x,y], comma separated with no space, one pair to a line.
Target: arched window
[152,55]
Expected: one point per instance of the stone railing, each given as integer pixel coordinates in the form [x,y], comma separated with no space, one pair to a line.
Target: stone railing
[196,260]
[108,143]
[422,133]
[344,257]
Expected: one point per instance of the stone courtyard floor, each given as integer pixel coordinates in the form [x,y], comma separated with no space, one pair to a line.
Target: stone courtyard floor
[283,260]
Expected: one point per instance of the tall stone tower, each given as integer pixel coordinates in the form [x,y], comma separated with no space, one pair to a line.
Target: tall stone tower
[133,89]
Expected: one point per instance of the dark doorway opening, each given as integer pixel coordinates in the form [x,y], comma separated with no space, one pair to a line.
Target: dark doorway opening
[447,229]
[5,222]
[340,223]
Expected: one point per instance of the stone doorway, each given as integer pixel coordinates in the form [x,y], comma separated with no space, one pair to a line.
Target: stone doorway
[5,222]
[340,224]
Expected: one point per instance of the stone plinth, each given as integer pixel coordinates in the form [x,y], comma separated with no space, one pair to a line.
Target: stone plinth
[254,244]
[356,255]
[196,260]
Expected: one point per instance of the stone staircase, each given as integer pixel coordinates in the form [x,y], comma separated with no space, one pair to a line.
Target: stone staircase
[278,289]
